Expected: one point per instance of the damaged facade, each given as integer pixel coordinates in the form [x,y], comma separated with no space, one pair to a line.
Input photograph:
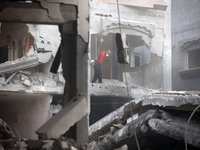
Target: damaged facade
[33,34]
[27,54]
[128,110]
[152,119]
[147,28]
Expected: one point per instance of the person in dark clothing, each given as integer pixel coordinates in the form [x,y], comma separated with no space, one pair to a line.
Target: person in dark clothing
[98,65]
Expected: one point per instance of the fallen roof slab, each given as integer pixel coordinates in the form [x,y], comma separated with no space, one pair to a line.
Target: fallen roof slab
[173,101]
[147,124]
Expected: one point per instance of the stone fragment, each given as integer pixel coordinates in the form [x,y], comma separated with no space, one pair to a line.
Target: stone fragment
[2,80]
[23,77]
[50,83]
[47,145]
[27,82]
[44,57]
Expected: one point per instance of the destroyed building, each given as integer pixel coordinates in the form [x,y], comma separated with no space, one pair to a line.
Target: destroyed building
[27,52]
[155,117]
[27,85]
[147,27]
[134,107]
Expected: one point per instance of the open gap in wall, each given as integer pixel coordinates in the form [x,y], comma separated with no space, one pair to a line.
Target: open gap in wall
[138,52]
[27,52]
[21,42]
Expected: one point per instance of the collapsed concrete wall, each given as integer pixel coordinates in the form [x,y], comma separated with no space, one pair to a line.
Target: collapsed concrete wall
[143,27]
[185,45]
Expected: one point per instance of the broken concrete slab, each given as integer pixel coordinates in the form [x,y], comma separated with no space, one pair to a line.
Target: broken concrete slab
[64,119]
[175,129]
[152,123]
[38,83]
[182,101]
[50,82]
[25,62]
[169,100]
[38,79]
[32,89]
[114,139]
[109,88]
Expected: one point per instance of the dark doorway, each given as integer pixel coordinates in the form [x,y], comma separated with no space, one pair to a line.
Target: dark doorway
[3,54]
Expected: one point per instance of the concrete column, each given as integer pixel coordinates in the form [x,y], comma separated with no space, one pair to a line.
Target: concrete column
[75,71]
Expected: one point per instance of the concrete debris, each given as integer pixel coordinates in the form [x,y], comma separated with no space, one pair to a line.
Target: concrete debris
[38,79]
[7,137]
[9,141]
[27,82]
[47,145]
[163,115]
[124,147]
[151,123]
[22,145]
[61,143]
[50,83]
[2,80]
[31,60]
[54,109]
[112,88]
[58,124]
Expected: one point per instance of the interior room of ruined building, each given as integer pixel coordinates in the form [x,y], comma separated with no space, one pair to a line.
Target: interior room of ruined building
[143,104]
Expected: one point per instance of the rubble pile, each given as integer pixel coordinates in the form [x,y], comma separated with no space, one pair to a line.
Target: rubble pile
[7,137]
[28,79]
[39,79]
[9,141]
[156,120]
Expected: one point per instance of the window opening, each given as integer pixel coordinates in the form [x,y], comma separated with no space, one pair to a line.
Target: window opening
[193,58]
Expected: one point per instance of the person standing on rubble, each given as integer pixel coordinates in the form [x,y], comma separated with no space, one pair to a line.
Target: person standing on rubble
[99,64]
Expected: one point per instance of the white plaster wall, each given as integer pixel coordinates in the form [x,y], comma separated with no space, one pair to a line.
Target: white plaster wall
[46,37]
[153,25]
[167,50]
[152,20]
[24,113]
